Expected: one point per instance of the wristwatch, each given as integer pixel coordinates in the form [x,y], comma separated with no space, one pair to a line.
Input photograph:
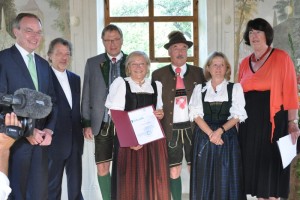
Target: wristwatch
[295,121]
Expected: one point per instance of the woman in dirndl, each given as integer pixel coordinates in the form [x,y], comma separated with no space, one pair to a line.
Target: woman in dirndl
[216,107]
[139,172]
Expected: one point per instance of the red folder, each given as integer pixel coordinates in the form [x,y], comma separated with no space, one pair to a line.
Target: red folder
[125,131]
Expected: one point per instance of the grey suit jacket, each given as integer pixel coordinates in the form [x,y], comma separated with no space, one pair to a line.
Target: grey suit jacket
[95,90]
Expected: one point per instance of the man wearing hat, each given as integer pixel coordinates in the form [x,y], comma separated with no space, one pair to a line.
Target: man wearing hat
[178,80]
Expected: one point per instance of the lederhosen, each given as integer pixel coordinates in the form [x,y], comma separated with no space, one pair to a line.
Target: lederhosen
[182,135]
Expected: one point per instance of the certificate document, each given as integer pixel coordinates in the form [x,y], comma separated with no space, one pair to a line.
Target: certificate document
[287,149]
[137,127]
[145,125]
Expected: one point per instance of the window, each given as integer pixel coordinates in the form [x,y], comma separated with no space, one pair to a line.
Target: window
[147,23]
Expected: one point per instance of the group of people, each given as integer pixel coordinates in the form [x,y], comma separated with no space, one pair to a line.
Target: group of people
[226,132]
[37,162]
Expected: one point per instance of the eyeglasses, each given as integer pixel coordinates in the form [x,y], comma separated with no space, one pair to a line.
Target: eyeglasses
[117,40]
[29,31]
[138,64]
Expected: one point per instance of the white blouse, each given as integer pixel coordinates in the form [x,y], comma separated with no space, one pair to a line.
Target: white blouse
[4,186]
[117,91]
[237,109]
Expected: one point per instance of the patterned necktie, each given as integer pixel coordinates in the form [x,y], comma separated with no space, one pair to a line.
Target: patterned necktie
[114,70]
[112,77]
[32,71]
[179,100]
[179,81]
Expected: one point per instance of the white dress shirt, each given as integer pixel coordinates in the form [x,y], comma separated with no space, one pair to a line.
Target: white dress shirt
[64,82]
[183,70]
[118,57]
[24,54]
[180,114]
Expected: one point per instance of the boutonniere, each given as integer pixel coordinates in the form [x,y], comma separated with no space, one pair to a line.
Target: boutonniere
[103,64]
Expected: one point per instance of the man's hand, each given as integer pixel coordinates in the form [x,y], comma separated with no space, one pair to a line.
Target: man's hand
[36,137]
[39,137]
[47,137]
[88,133]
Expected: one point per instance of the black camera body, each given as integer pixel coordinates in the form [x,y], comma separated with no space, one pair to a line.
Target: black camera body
[26,129]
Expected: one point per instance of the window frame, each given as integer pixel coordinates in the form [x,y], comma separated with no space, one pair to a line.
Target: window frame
[151,19]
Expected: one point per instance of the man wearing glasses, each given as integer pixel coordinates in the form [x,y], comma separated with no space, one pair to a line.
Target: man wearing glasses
[21,67]
[100,72]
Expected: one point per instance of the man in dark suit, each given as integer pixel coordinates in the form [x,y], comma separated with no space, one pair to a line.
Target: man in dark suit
[20,67]
[100,72]
[176,123]
[66,149]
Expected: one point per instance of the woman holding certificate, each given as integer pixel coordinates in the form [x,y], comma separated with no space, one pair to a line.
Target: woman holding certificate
[139,172]
[217,107]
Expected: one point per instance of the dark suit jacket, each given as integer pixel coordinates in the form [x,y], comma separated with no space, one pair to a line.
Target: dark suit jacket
[67,134]
[15,75]
[193,76]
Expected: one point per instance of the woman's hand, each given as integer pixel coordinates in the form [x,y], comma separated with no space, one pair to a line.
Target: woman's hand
[159,113]
[215,137]
[138,147]
[294,131]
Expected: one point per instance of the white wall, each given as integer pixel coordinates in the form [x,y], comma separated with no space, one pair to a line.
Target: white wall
[216,17]
[219,23]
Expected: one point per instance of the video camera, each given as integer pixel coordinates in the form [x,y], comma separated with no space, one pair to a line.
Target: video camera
[28,105]
[26,129]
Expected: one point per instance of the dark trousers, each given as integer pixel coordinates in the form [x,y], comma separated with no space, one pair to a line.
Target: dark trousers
[28,171]
[73,166]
